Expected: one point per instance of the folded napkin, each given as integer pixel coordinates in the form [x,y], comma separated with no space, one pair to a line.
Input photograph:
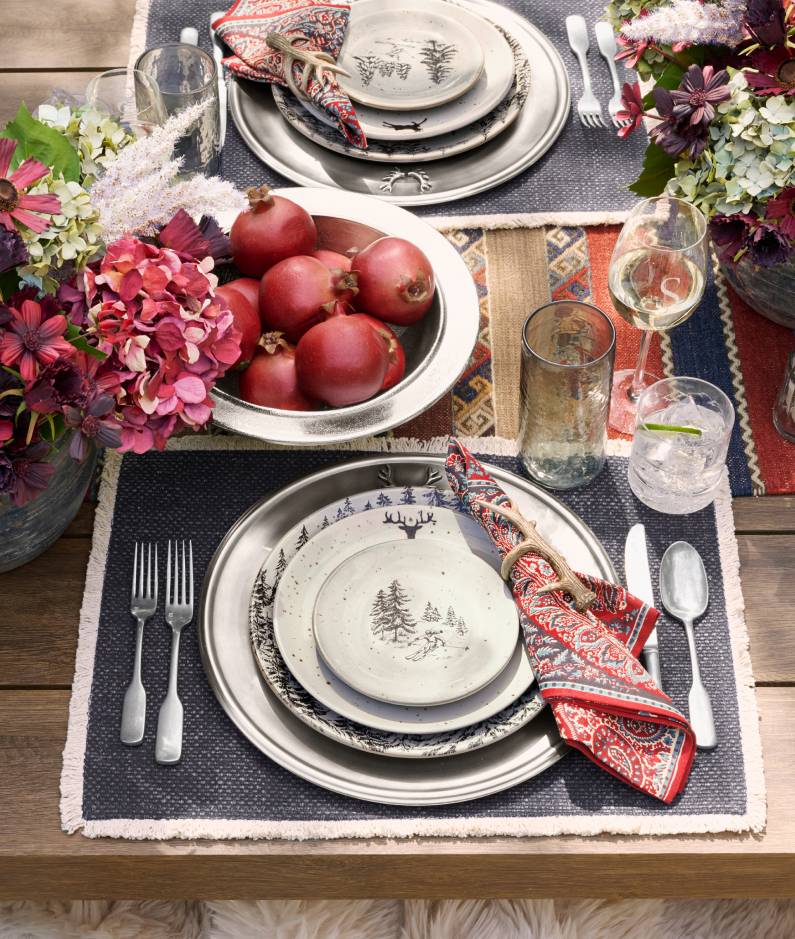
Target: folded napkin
[603,700]
[313,25]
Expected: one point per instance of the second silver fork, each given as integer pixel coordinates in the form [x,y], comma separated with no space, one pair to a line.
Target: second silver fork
[143,604]
[179,613]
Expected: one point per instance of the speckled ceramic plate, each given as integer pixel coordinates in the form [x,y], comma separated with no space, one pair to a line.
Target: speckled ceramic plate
[410,53]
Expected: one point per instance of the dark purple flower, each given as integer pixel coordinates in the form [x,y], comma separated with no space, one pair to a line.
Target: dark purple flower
[765,21]
[6,473]
[12,249]
[31,472]
[676,137]
[729,234]
[93,425]
[194,241]
[9,403]
[74,304]
[699,90]
[767,246]
[57,384]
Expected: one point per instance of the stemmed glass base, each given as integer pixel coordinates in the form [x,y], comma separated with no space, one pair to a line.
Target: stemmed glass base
[623,402]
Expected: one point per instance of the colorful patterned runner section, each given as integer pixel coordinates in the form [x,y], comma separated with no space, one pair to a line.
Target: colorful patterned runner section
[724,342]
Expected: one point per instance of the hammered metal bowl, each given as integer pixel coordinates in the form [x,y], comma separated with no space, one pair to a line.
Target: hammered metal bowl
[437,348]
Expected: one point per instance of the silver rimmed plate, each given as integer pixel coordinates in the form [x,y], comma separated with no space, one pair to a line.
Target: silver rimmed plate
[410,53]
[305,684]
[422,146]
[405,605]
[537,127]
[260,716]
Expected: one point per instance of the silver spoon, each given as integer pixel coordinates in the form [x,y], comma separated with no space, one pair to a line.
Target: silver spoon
[685,594]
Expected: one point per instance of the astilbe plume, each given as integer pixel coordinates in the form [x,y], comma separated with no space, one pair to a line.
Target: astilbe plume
[166,337]
[140,191]
[690,22]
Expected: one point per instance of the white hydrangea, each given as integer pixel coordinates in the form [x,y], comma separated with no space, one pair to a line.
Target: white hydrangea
[96,137]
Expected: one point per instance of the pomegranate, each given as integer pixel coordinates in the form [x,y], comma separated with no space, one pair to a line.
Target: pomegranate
[246,320]
[395,281]
[344,283]
[270,381]
[248,287]
[341,361]
[396,368]
[272,229]
[294,295]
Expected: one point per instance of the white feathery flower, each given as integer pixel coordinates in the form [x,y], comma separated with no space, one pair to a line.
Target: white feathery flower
[140,190]
[690,22]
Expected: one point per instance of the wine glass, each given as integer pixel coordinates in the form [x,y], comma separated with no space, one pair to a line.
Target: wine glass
[656,280]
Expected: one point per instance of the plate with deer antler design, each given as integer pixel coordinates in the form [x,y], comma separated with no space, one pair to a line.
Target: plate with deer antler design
[417,621]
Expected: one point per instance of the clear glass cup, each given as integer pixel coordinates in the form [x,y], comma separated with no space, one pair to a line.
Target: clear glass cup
[784,409]
[682,435]
[656,279]
[128,96]
[186,75]
[568,350]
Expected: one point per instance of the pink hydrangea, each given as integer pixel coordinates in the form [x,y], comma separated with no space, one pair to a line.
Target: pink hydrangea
[167,338]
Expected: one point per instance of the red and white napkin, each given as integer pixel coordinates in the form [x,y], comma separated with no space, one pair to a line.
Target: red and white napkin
[317,25]
[604,701]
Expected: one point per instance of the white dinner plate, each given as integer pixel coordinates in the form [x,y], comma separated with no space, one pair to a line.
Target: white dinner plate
[404,54]
[406,607]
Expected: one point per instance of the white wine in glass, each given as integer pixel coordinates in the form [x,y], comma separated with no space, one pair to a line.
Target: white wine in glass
[656,280]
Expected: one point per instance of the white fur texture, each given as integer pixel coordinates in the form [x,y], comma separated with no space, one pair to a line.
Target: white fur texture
[394,919]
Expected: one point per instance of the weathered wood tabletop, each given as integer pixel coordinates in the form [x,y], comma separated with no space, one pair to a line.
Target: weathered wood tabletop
[46,45]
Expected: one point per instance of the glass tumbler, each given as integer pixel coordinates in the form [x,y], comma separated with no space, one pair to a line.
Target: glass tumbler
[186,75]
[784,410]
[568,350]
[682,433]
[128,96]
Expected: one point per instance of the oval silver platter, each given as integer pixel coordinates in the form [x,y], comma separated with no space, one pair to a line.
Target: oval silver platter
[243,694]
[540,123]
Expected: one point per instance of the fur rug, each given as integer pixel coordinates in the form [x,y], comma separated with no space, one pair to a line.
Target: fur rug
[393,919]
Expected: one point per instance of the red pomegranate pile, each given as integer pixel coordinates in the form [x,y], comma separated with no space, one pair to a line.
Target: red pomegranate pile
[315,322]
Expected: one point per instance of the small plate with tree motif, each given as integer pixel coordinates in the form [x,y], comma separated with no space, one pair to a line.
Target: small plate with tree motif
[418,622]
[416,54]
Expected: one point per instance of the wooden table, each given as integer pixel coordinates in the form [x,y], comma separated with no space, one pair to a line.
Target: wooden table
[45,45]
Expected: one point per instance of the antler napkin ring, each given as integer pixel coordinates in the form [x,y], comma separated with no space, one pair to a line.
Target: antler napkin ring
[317,63]
[533,543]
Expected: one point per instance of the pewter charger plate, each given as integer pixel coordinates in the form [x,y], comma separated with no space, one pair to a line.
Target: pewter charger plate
[235,678]
[286,151]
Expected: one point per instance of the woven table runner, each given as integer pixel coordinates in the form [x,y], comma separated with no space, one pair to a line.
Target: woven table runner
[224,787]
[586,171]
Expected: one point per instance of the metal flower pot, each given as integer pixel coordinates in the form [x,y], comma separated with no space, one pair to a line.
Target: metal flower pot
[769,291]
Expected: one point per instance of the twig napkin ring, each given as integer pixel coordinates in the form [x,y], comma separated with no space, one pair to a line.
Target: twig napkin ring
[317,63]
[533,543]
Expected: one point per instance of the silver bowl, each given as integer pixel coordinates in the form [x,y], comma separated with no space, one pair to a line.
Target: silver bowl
[437,348]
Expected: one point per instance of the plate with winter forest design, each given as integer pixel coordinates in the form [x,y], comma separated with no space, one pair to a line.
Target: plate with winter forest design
[342,713]
[409,620]
[410,53]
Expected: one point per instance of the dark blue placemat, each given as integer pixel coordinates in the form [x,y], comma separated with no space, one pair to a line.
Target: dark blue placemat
[224,787]
[586,170]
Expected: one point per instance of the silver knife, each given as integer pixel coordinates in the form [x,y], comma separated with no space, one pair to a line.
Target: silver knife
[218,55]
[636,567]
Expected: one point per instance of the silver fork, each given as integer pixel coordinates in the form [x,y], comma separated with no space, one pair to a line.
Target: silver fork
[606,40]
[588,106]
[179,612]
[143,603]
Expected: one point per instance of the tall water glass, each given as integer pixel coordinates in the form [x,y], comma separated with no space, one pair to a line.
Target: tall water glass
[568,350]
[682,435]
[186,75]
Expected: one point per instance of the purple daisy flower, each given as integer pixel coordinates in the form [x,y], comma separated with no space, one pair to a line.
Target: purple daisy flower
[729,234]
[765,21]
[767,246]
[58,384]
[12,250]
[32,473]
[672,135]
[699,90]
[93,424]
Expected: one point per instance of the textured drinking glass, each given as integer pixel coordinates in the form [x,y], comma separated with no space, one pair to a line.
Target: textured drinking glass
[784,410]
[567,371]
[186,75]
[128,96]
[682,435]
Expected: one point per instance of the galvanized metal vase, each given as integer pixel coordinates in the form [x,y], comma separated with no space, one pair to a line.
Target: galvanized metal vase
[769,291]
[26,531]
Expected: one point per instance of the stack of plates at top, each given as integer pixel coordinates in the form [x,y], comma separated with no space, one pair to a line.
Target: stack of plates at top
[381,621]
[429,80]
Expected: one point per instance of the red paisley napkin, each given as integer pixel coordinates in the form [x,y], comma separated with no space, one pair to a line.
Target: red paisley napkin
[319,24]
[604,701]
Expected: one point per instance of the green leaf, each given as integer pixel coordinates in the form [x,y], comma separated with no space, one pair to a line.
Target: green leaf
[658,168]
[670,77]
[9,283]
[78,340]
[40,142]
